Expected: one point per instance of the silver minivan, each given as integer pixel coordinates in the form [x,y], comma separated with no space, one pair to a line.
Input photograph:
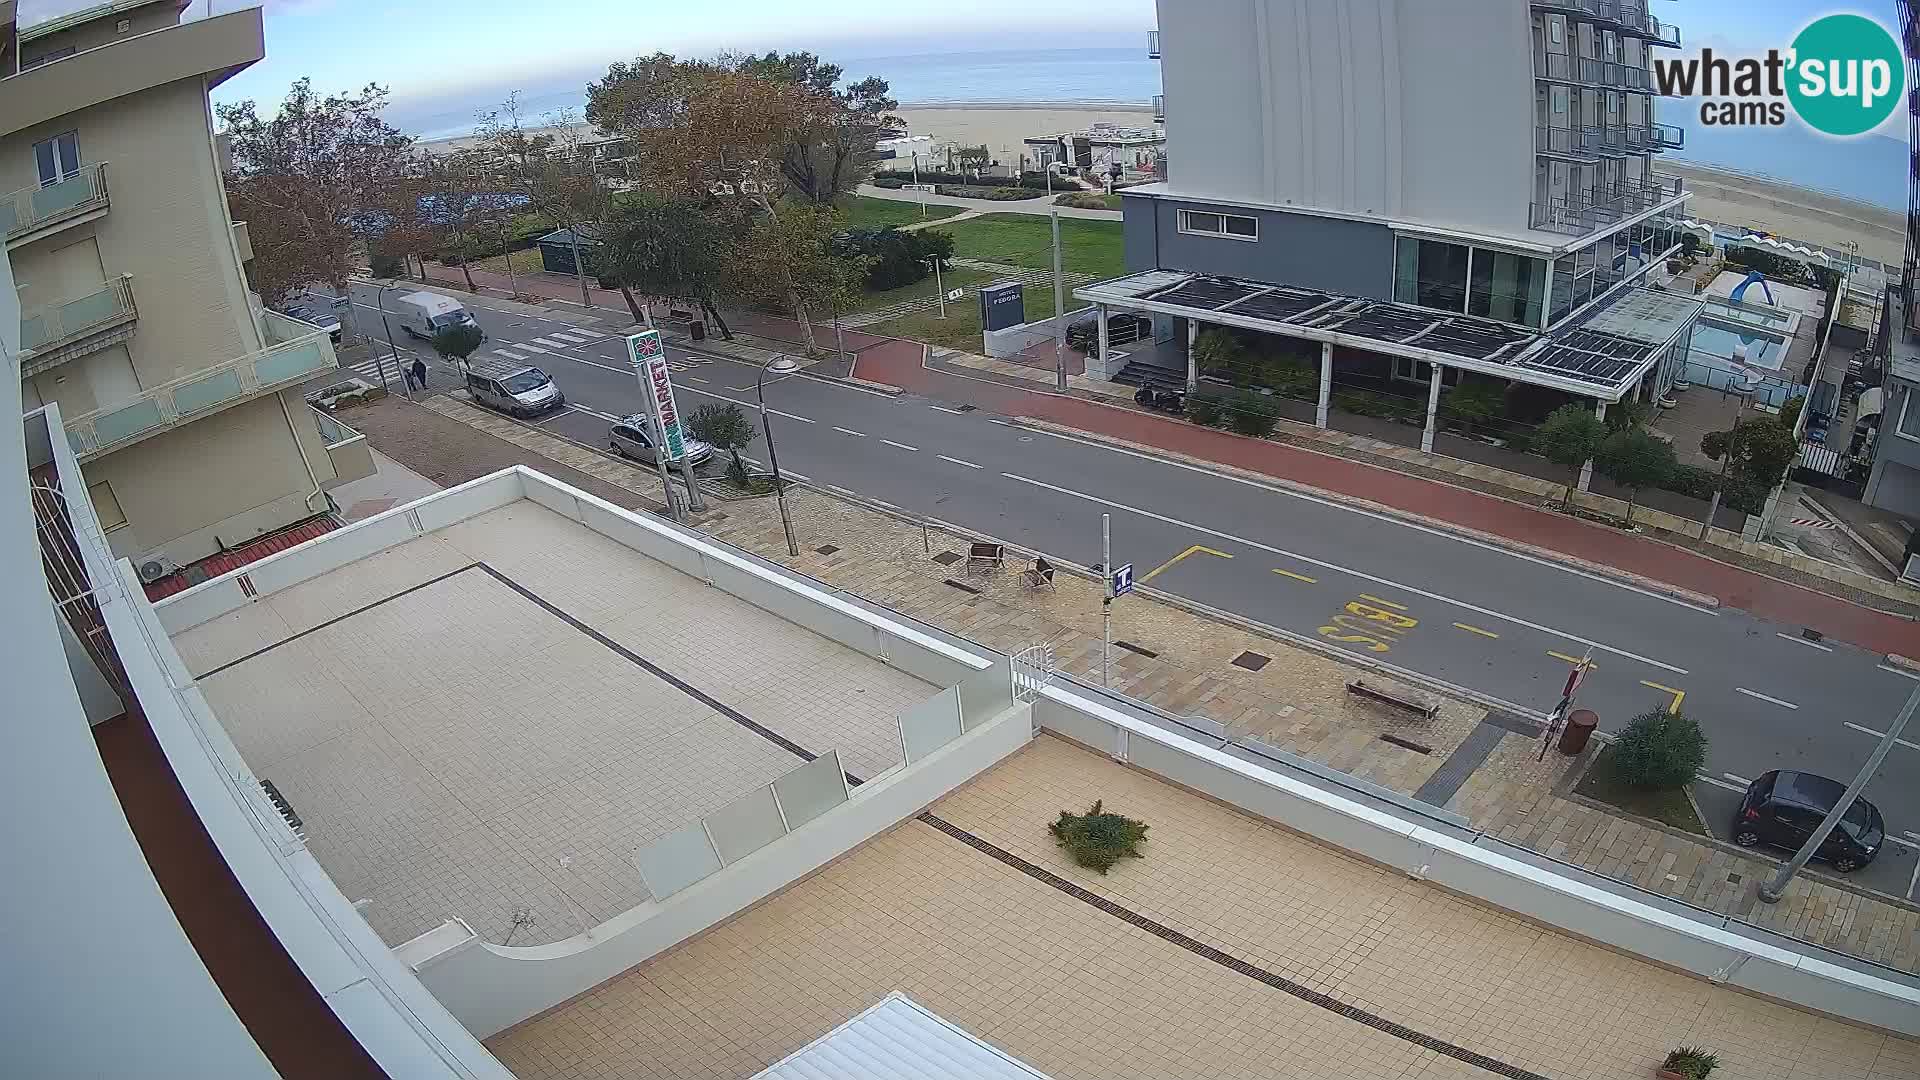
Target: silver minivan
[633,438]
[513,388]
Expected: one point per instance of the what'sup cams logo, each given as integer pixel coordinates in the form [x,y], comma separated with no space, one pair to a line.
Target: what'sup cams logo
[1843,76]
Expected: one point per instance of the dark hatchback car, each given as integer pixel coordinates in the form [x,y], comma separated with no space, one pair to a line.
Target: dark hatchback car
[1783,808]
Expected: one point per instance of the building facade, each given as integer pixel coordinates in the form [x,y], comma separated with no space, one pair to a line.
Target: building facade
[178,389]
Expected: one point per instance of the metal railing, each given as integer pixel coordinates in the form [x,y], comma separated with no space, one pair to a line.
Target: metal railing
[1159,106]
[1567,141]
[202,392]
[1584,212]
[280,329]
[1153,44]
[1592,71]
[44,329]
[32,208]
[1663,32]
[332,431]
[1668,136]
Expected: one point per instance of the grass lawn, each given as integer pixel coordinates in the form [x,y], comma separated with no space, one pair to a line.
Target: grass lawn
[524,262]
[1667,807]
[1086,247]
[866,212]
[953,279]
[961,328]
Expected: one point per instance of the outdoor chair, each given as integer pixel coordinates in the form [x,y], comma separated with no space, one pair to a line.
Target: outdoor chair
[986,558]
[1040,576]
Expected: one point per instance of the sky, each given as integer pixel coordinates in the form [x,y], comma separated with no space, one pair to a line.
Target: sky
[443,59]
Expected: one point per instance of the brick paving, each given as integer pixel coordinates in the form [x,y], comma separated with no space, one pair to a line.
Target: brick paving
[1297,702]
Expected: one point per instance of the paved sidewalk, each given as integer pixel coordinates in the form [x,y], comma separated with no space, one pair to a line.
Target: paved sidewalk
[1042,206]
[1298,701]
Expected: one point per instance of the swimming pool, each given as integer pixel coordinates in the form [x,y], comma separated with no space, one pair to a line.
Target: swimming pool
[1713,339]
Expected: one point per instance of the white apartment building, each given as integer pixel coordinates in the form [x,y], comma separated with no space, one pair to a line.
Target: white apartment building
[1352,163]
[179,391]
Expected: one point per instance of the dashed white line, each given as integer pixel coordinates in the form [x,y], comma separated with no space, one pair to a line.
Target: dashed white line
[508,355]
[708,393]
[1441,597]
[1864,730]
[1804,641]
[850,431]
[531,348]
[1741,780]
[900,445]
[575,338]
[944,409]
[957,461]
[550,343]
[1719,783]
[1899,671]
[1763,697]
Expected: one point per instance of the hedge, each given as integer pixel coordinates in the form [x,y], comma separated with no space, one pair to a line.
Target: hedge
[930,176]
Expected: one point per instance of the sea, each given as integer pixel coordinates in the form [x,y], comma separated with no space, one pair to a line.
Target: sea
[1871,168]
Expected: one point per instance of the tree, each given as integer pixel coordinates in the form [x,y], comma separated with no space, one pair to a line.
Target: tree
[313,183]
[789,258]
[1659,751]
[826,160]
[1570,436]
[725,427]
[1216,349]
[1760,452]
[705,127]
[457,201]
[1636,459]
[895,257]
[457,342]
[1097,839]
[675,248]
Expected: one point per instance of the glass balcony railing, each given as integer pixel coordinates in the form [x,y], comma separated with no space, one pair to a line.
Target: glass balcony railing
[206,391]
[1160,107]
[1584,212]
[34,208]
[1153,44]
[1668,136]
[45,329]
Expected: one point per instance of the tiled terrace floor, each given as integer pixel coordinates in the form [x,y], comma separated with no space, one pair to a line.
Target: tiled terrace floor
[460,750]
[1078,992]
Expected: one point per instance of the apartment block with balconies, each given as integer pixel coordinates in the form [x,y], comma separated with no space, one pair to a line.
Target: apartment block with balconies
[180,392]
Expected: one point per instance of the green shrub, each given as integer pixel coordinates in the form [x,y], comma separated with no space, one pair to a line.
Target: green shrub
[888,183]
[1691,1062]
[1474,403]
[1083,200]
[386,266]
[1217,350]
[1097,840]
[1659,751]
[1520,442]
[1203,408]
[1692,480]
[1252,414]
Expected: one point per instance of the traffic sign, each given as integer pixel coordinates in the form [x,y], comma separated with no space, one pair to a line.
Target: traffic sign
[1121,582]
[955,294]
[1577,676]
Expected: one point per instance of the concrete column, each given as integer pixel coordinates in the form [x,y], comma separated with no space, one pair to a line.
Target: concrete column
[1193,368]
[1326,385]
[1586,470]
[1433,408]
[1100,356]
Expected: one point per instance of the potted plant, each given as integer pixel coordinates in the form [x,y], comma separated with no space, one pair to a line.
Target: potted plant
[1687,1063]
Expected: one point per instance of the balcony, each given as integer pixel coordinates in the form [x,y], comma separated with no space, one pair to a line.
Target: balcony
[1159,108]
[347,449]
[1667,136]
[56,333]
[31,213]
[1581,213]
[1591,71]
[203,393]
[1577,144]
[1626,16]
[1153,44]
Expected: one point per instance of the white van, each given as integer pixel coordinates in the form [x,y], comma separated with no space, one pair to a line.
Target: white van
[423,314]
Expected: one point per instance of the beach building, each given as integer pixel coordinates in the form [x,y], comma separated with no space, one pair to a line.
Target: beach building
[180,391]
[1139,152]
[1319,190]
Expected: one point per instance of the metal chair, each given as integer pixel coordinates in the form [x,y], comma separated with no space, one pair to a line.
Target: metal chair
[1040,576]
[986,558]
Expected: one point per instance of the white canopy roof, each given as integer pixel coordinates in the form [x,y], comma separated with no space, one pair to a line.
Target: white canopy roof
[894,1039]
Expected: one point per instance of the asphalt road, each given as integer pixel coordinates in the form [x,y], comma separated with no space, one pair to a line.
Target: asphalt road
[1502,624]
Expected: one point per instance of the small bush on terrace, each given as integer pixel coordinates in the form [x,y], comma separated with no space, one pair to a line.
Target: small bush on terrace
[1096,839]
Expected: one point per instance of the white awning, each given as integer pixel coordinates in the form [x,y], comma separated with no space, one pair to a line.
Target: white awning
[1872,401]
[894,1039]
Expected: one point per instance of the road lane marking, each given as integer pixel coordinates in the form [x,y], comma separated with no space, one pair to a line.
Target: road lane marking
[944,409]
[1591,666]
[1898,671]
[1719,783]
[1765,698]
[531,348]
[1804,641]
[957,461]
[1741,780]
[900,445]
[1374,514]
[1388,582]
[609,417]
[550,343]
[575,338]
[698,379]
[508,355]
[1475,630]
[740,389]
[1196,549]
[1864,730]
[850,431]
[1296,577]
[1678,695]
[1383,603]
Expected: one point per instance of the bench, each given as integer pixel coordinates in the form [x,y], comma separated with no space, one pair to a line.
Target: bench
[1403,702]
[1040,576]
[988,558]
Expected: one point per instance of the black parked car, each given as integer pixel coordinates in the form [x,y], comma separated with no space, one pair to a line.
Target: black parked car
[1783,808]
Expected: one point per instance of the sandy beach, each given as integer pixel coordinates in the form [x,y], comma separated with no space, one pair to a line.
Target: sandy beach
[1004,126]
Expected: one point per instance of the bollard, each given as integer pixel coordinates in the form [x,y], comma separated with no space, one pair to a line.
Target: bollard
[1579,728]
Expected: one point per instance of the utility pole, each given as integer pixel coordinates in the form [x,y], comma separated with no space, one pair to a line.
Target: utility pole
[508,255]
[917,187]
[579,268]
[380,301]
[939,286]
[1059,312]
[1726,458]
[1773,890]
[1106,601]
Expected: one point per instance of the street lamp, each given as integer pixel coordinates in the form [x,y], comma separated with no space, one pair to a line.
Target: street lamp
[380,301]
[779,365]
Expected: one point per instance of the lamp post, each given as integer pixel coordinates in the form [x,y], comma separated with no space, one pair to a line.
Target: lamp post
[779,365]
[380,301]
[507,254]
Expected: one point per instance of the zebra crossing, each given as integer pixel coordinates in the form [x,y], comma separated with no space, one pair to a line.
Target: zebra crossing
[551,343]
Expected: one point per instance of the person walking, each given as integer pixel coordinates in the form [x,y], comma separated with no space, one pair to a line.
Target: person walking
[418,373]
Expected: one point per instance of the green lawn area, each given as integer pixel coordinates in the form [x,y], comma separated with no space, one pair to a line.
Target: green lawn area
[1086,247]
[866,212]
[1667,807]
[961,328]
[953,279]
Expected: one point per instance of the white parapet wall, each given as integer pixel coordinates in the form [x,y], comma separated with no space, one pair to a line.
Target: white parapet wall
[492,987]
[1610,916]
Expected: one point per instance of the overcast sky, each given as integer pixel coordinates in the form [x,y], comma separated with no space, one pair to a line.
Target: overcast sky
[452,56]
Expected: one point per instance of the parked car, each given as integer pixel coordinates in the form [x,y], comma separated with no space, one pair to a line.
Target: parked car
[1782,808]
[513,388]
[314,315]
[633,438]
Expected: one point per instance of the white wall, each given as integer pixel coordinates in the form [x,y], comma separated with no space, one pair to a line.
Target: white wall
[1404,109]
[492,987]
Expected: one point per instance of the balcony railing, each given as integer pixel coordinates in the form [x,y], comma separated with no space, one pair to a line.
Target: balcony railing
[30,209]
[1160,107]
[1667,136]
[202,393]
[46,330]
[1153,44]
[1628,16]
[347,449]
[1664,33]
[1581,213]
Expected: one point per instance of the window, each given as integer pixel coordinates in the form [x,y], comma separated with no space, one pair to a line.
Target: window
[1430,273]
[57,158]
[1910,416]
[46,58]
[105,506]
[1507,287]
[1410,370]
[1232,226]
[1556,29]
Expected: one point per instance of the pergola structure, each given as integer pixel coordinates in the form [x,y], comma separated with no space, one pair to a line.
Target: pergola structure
[1604,354]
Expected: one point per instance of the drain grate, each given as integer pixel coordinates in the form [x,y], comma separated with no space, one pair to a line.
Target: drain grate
[826,549]
[1406,744]
[1132,648]
[963,586]
[1252,661]
[947,558]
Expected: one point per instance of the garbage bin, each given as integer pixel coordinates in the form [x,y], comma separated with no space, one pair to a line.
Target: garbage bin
[698,329]
[1579,728]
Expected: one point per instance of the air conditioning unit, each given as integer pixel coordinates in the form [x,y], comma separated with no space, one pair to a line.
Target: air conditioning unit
[153,570]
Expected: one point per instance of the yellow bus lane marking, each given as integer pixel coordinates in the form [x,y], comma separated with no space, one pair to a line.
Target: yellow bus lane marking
[1197,549]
